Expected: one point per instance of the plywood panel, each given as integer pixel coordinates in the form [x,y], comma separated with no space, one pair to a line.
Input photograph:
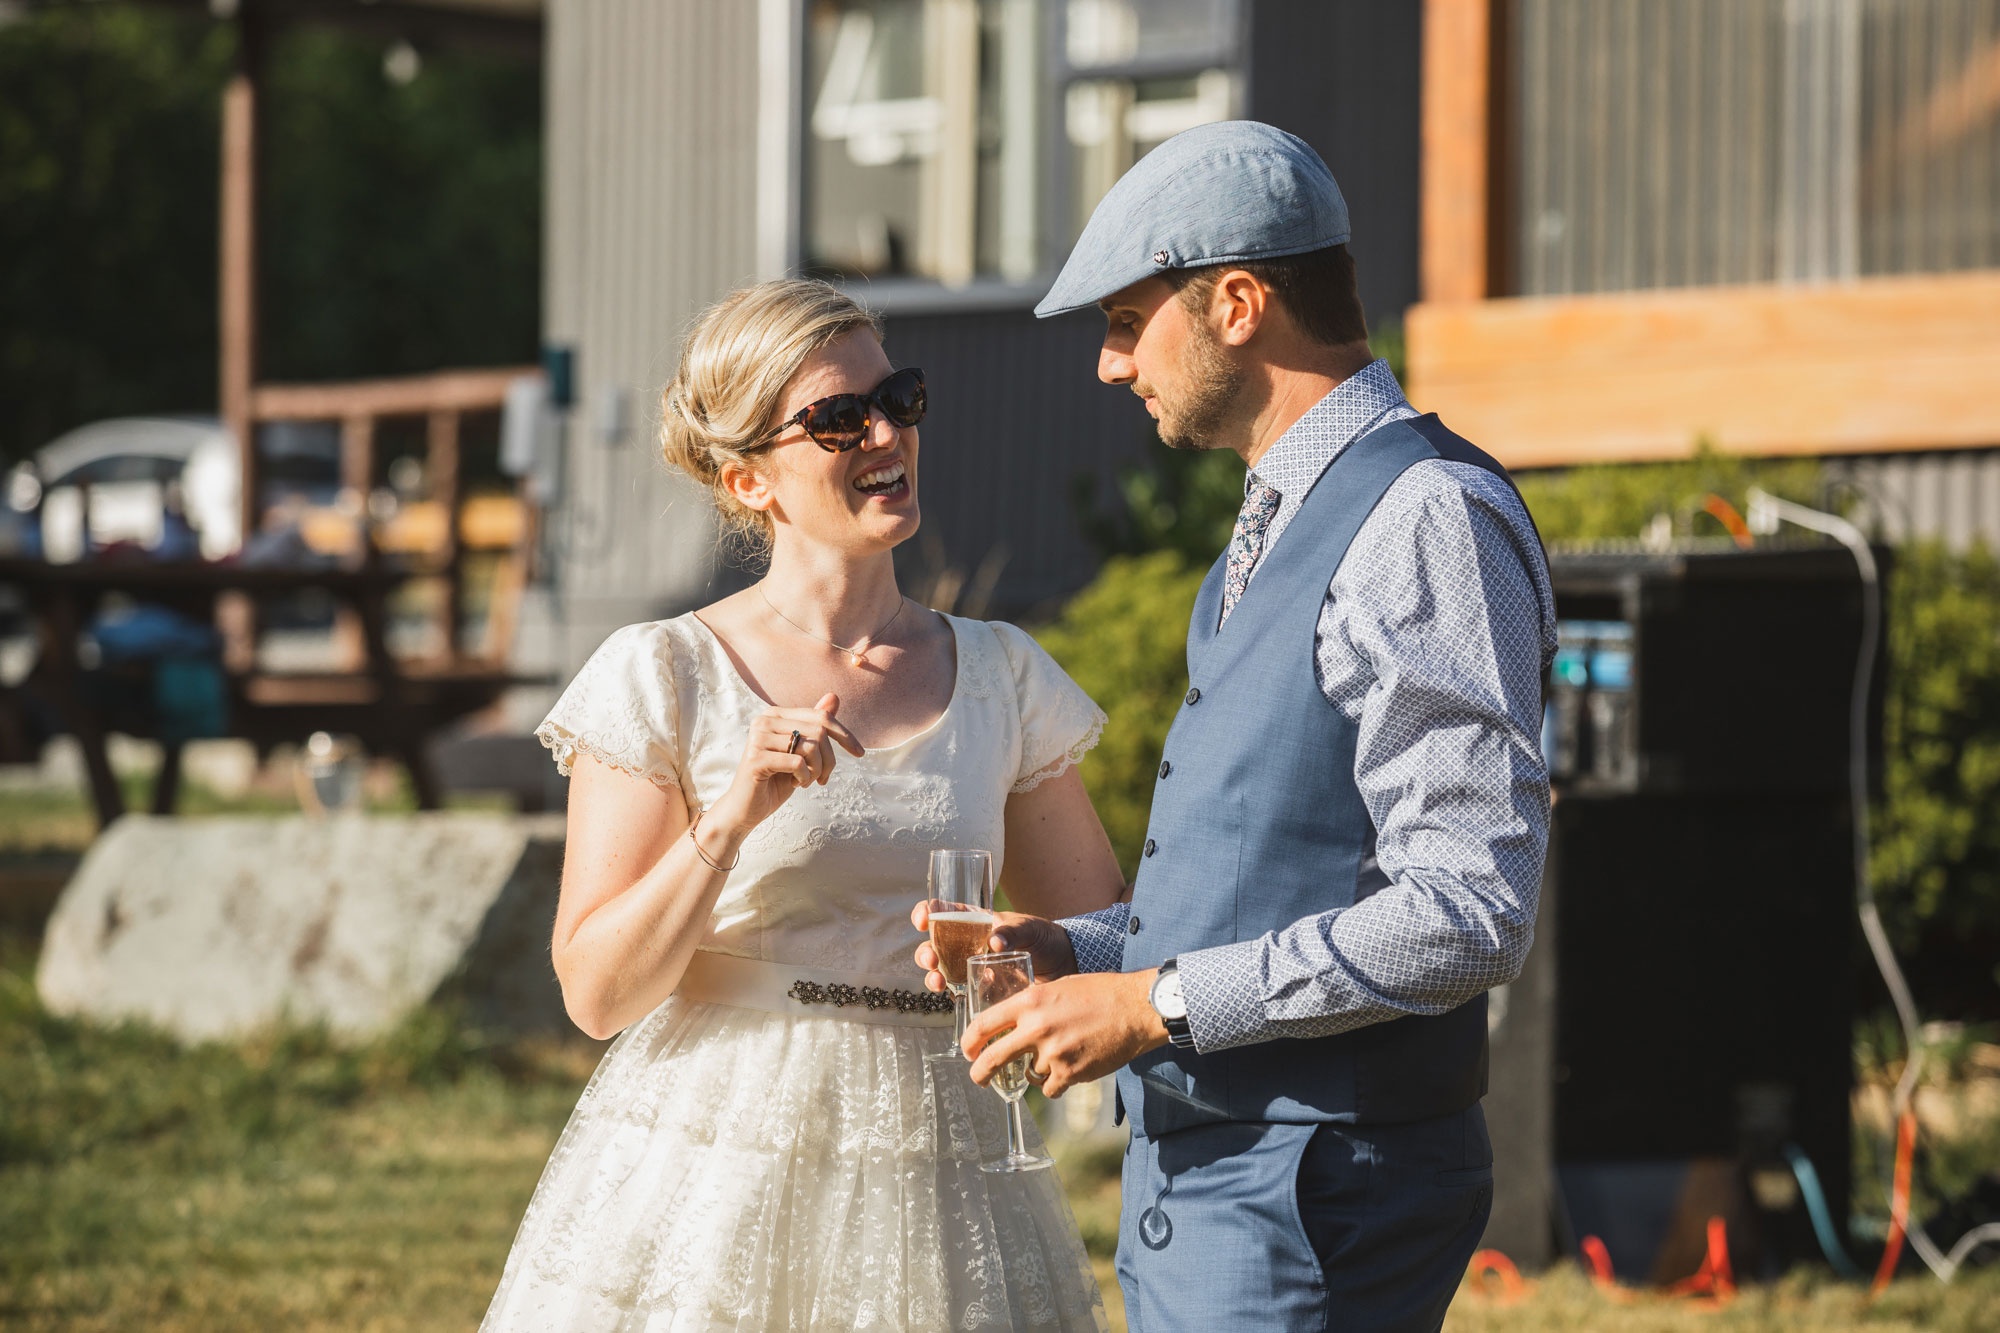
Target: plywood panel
[1885,364]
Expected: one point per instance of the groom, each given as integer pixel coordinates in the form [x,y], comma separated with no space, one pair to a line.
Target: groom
[1347,829]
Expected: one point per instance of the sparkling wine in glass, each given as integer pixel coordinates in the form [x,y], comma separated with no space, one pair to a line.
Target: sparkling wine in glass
[961,910]
[989,979]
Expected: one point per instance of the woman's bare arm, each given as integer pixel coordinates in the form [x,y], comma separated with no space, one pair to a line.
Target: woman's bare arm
[637,894]
[1059,861]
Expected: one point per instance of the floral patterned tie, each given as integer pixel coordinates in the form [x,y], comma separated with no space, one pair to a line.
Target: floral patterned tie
[1260,505]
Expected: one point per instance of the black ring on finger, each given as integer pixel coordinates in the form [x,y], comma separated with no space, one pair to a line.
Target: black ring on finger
[793,748]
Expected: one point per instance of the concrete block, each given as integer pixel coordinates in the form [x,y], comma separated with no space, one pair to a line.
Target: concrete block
[209,927]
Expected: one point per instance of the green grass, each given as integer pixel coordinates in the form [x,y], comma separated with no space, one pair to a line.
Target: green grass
[41,820]
[294,1181]
[287,1182]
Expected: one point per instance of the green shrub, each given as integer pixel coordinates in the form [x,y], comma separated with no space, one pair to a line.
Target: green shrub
[1124,640]
[1600,501]
[1936,864]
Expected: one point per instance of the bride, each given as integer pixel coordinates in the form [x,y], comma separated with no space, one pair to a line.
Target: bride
[755,790]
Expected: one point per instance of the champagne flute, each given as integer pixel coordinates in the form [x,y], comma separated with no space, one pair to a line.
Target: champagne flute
[961,909]
[991,978]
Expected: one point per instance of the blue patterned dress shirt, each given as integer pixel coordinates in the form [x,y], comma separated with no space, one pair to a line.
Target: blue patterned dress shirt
[1434,636]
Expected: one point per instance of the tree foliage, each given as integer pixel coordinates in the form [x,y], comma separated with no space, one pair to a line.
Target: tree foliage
[400,228]
[108,123]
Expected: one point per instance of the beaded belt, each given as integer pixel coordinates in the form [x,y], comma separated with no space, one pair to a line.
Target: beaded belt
[781,988]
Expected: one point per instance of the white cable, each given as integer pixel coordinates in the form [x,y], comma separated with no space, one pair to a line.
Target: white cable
[1765,508]
[1970,1241]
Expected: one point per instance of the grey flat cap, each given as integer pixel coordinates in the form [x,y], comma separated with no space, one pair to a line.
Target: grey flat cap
[1224,193]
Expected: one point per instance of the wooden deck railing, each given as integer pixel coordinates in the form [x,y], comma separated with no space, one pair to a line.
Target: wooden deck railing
[442,400]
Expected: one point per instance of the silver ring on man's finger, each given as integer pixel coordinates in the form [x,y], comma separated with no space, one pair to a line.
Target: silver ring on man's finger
[793,748]
[1035,1075]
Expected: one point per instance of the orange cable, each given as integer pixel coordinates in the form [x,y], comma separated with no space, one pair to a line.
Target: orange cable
[1489,1264]
[1714,1279]
[1725,513]
[1899,1200]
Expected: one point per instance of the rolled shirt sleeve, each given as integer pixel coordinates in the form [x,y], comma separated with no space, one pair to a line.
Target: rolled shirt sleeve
[1098,938]
[1434,635]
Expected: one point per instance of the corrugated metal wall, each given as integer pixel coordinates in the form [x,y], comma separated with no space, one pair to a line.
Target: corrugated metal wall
[1952,495]
[1017,413]
[1343,76]
[1663,143]
[652,195]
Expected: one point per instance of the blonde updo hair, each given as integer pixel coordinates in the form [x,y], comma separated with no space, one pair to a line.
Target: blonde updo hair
[735,364]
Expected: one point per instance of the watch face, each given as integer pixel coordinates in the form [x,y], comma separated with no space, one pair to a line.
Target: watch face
[1167,999]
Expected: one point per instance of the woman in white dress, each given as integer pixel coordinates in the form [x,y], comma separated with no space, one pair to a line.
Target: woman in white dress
[782,1136]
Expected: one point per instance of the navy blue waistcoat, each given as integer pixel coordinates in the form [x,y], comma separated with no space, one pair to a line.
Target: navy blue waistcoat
[1257,823]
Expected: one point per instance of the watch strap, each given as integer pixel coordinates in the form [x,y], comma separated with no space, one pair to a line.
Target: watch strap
[1179,1034]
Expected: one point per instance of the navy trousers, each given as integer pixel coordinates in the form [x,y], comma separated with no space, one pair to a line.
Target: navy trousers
[1302,1227]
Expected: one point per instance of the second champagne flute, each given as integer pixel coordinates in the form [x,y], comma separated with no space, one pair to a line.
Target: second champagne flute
[991,978]
[961,911]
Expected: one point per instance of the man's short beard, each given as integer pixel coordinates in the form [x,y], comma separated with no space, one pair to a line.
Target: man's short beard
[1211,383]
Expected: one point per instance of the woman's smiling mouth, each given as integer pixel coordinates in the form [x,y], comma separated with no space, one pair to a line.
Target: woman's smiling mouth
[887,481]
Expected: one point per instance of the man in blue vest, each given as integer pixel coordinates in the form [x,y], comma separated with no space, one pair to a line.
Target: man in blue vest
[1347,831]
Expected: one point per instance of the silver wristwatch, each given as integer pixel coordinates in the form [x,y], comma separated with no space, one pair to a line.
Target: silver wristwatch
[1168,1004]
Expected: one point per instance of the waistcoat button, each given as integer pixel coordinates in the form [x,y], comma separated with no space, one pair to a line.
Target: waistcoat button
[1193,698]
[1151,847]
[1165,768]
[1132,927]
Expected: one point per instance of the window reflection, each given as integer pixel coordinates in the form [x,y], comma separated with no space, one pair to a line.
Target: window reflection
[921,148]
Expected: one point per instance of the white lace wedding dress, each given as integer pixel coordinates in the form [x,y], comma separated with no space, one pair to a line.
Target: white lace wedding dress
[804,1166]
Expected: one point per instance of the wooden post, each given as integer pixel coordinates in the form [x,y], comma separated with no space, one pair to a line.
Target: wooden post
[357,474]
[357,454]
[1457,150]
[237,322]
[443,474]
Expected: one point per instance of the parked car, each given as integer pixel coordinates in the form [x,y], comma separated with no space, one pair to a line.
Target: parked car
[136,475]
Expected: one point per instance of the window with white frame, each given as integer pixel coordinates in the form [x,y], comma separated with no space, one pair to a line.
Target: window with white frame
[1140,72]
[958,140]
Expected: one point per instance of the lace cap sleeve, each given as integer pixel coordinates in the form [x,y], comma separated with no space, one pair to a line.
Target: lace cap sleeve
[622,709]
[1059,722]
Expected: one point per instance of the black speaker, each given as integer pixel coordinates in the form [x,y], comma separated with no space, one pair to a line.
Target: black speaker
[1684,1022]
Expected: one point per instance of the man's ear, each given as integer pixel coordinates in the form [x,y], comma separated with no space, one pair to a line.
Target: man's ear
[1238,307]
[748,486]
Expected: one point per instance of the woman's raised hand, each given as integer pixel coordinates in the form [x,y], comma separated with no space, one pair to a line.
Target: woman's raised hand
[774,765]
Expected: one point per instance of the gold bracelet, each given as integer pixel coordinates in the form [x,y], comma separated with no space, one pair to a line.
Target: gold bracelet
[704,855]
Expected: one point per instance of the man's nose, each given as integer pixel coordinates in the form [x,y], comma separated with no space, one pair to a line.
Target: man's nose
[1115,367]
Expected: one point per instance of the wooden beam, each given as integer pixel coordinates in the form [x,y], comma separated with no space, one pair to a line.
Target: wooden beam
[1457,149]
[237,353]
[1879,365]
[407,395]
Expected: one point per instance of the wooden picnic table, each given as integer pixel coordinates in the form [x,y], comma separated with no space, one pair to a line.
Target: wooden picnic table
[393,706]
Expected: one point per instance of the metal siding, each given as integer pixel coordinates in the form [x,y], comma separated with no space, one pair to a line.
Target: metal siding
[652,157]
[1664,143]
[1950,495]
[1343,77]
[1017,414]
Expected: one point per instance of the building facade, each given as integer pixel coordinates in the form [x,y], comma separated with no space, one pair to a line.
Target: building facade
[938,158]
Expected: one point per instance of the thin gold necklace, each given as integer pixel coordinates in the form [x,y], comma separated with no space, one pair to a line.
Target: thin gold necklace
[854,654]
